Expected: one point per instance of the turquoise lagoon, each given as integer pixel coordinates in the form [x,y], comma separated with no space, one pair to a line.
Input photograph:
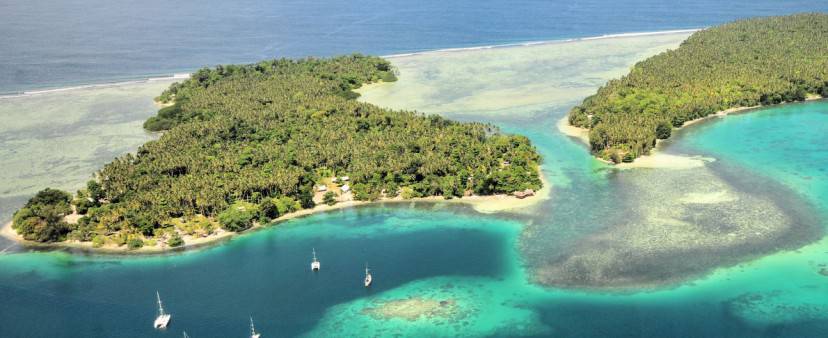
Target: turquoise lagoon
[655,245]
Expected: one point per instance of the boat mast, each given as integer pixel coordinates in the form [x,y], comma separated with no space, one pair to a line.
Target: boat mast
[252,328]
[160,307]
[315,265]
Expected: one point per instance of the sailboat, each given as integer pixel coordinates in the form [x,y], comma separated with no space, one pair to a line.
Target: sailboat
[368,278]
[315,265]
[185,335]
[163,318]
[253,333]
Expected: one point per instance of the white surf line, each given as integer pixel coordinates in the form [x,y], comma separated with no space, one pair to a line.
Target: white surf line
[543,42]
[176,76]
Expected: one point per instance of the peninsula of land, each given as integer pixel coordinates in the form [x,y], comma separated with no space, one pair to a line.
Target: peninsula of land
[735,66]
[655,159]
[244,146]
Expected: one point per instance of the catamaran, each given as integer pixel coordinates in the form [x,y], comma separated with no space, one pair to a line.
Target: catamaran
[163,318]
[368,278]
[315,265]
[253,333]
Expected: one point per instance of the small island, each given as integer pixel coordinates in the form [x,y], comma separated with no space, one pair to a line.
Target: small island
[735,66]
[245,145]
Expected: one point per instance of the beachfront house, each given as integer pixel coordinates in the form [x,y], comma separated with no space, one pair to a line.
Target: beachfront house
[322,188]
[346,188]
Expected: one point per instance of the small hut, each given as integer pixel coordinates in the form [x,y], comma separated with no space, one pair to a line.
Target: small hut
[524,194]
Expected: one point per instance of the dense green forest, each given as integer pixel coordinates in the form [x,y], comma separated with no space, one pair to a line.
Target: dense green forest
[741,64]
[245,144]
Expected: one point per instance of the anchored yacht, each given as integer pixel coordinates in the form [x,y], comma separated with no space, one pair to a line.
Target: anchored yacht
[315,265]
[368,278]
[163,318]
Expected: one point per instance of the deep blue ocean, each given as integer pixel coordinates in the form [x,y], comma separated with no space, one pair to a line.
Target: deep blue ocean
[47,44]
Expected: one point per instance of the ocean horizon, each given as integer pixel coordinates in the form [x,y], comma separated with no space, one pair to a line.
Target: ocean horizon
[76,43]
[184,74]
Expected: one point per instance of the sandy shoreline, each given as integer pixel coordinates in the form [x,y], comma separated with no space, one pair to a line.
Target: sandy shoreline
[657,159]
[482,204]
[582,134]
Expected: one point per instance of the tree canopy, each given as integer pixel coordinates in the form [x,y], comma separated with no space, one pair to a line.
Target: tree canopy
[740,64]
[41,219]
[246,143]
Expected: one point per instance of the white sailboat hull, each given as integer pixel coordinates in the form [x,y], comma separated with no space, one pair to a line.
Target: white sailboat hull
[162,321]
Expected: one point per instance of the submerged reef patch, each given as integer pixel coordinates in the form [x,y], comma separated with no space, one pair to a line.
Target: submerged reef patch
[671,225]
[413,308]
[442,306]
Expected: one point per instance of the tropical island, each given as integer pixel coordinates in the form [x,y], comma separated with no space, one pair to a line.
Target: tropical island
[244,145]
[735,66]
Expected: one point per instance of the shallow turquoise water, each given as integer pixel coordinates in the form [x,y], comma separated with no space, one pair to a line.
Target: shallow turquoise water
[786,143]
